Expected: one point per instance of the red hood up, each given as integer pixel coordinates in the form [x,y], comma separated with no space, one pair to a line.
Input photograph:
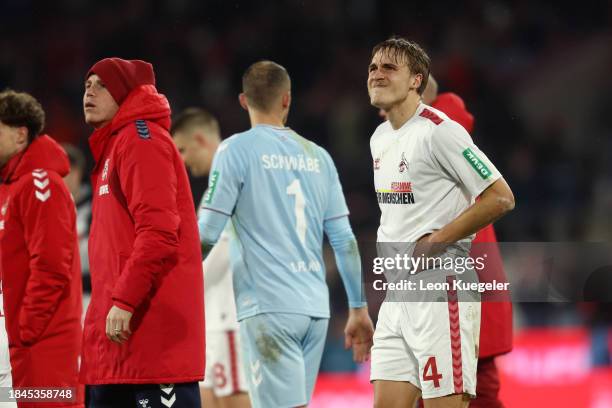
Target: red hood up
[144,103]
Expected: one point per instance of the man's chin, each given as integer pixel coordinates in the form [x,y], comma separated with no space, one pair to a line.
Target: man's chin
[377,103]
[198,172]
[91,121]
[96,124]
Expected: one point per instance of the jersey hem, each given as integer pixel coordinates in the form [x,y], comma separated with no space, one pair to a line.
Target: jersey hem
[159,380]
[320,315]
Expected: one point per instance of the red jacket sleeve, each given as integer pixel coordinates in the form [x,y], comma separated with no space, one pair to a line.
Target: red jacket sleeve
[48,215]
[149,183]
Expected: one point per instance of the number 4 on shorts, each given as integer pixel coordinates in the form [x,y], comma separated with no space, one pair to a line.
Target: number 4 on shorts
[430,372]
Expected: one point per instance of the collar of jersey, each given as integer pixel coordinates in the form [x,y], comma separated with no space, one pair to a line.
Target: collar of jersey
[417,112]
[271,126]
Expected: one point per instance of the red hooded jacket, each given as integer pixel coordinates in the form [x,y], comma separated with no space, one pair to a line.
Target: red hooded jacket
[144,251]
[496,314]
[41,271]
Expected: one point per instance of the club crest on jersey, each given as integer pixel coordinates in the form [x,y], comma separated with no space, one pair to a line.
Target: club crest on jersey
[377,163]
[403,165]
[105,170]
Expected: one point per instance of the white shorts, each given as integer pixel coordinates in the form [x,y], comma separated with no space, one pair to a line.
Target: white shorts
[224,373]
[431,344]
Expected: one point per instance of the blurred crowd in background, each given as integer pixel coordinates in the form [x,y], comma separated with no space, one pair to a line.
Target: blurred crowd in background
[535,76]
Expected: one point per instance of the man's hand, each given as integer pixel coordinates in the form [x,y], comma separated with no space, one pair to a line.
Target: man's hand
[358,334]
[426,247]
[118,325]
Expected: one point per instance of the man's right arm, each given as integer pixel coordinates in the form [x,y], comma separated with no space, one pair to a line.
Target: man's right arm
[348,261]
[359,329]
[211,224]
[50,234]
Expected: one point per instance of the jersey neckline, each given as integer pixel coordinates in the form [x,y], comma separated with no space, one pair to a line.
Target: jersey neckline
[271,126]
[417,112]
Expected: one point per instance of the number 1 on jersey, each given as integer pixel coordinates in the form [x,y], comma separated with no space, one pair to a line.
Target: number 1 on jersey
[295,188]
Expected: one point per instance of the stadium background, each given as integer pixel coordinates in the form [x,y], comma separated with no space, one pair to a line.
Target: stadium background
[536,77]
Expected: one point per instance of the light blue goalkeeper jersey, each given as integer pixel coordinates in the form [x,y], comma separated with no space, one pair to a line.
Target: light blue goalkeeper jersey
[279,188]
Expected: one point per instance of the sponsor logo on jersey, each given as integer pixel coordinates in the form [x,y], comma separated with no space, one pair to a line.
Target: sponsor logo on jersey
[478,165]
[399,193]
[403,166]
[212,185]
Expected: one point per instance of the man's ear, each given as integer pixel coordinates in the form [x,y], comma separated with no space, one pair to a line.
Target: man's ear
[200,139]
[286,99]
[22,136]
[417,80]
[243,101]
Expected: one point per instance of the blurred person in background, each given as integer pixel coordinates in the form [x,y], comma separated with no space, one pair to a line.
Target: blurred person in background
[77,168]
[496,314]
[143,338]
[282,193]
[435,162]
[81,193]
[197,136]
[41,276]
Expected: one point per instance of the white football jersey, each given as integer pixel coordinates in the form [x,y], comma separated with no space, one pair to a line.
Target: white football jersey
[220,306]
[426,173]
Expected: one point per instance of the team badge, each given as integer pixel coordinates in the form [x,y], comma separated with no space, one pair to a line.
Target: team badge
[105,170]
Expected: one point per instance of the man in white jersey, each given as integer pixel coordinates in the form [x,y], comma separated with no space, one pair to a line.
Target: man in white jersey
[196,134]
[427,174]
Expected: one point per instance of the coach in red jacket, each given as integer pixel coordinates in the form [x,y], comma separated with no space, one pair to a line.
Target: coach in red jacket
[40,267]
[144,330]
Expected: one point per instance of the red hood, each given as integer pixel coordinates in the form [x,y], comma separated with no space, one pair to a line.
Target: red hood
[143,102]
[42,153]
[452,104]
